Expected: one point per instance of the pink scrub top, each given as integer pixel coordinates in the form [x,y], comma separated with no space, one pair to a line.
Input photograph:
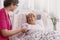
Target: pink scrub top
[4,23]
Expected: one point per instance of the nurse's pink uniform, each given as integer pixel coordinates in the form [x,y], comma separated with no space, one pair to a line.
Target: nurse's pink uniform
[4,23]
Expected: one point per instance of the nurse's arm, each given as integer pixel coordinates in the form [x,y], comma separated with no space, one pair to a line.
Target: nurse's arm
[3,27]
[7,33]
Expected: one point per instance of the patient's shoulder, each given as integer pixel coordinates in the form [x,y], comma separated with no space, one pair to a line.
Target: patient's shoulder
[25,24]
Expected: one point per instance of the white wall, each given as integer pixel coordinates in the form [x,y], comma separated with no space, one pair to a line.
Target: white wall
[58,13]
[1,4]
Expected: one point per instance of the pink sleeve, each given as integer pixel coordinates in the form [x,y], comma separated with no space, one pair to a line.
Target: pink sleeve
[3,24]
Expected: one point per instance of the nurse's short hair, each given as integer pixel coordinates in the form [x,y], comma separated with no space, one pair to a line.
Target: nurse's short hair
[9,2]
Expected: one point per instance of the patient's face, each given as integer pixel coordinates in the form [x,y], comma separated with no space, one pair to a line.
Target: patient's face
[31,18]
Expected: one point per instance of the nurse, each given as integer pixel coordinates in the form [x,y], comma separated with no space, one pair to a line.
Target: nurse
[5,24]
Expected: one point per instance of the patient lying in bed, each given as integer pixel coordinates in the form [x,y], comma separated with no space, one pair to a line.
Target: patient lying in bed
[31,23]
[36,31]
[32,26]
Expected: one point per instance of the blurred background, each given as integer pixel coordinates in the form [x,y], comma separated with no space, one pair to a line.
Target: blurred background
[49,9]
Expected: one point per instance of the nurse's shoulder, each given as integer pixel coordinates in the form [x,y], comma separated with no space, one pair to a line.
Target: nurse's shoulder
[2,11]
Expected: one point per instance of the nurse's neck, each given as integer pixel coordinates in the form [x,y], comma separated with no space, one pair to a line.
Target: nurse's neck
[7,9]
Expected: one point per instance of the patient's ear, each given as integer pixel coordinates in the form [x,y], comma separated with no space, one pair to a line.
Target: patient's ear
[38,16]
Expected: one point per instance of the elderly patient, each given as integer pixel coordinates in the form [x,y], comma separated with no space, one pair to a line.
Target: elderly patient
[32,26]
[31,22]
[33,29]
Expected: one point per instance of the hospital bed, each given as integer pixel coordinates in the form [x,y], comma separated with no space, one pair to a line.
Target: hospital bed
[42,19]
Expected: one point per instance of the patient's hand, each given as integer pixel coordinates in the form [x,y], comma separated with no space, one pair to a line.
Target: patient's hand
[24,30]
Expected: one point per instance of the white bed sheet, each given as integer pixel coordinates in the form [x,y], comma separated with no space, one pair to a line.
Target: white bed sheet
[36,34]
